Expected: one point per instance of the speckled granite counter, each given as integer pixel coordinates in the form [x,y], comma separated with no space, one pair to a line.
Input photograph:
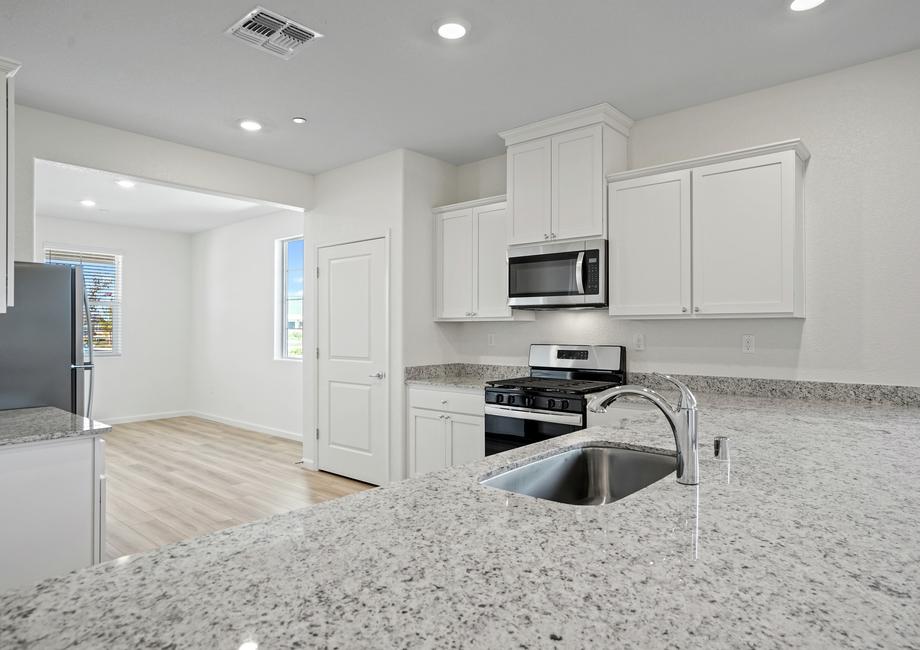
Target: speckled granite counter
[812,543]
[458,382]
[20,426]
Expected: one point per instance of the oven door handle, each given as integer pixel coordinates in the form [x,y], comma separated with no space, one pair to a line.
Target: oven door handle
[580,273]
[574,419]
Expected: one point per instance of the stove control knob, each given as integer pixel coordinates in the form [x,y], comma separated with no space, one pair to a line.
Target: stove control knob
[528,401]
[565,404]
[511,399]
[499,398]
[551,404]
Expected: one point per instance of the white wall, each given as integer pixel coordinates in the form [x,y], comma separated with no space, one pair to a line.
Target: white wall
[150,377]
[482,178]
[428,183]
[862,196]
[235,375]
[359,201]
[49,136]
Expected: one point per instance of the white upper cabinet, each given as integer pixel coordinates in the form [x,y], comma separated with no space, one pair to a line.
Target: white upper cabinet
[650,245]
[578,184]
[745,236]
[529,173]
[472,262]
[7,106]
[455,238]
[556,174]
[721,236]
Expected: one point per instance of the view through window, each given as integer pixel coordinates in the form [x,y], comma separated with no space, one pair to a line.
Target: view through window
[292,300]
[102,278]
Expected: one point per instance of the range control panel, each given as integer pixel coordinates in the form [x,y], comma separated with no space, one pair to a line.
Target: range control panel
[542,401]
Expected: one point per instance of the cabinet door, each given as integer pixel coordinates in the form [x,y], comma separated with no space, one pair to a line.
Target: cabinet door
[490,262]
[455,252]
[467,438]
[47,510]
[650,245]
[529,206]
[744,236]
[429,447]
[578,183]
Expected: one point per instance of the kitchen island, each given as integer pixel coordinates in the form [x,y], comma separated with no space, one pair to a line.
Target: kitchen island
[808,537]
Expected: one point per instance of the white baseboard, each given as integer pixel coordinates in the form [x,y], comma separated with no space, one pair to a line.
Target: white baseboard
[146,416]
[240,424]
[308,464]
[252,426]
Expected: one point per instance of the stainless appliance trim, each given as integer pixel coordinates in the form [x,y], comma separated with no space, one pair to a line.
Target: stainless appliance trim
[598,300]
[579,273]
[600,357]
[574,419]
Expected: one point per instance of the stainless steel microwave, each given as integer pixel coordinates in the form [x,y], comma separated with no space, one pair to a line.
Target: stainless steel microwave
[558,275]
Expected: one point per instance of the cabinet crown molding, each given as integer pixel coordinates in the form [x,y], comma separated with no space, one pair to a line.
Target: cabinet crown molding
[775,147]
[598,114]
[8,67]
[474,203]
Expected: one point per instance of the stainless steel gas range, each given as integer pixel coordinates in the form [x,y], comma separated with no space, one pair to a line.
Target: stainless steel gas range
[552,400]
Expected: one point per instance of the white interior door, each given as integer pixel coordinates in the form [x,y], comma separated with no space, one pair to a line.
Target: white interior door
[352,404]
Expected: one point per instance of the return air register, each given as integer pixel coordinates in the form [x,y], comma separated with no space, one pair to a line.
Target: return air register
[272,33]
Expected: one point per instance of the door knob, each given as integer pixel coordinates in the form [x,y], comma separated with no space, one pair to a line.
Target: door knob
[378,375]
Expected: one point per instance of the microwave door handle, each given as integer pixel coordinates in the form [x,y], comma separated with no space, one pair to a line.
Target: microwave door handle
[579,273]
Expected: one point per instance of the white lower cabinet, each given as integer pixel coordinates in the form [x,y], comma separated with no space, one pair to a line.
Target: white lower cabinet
[446,428]
[52,508]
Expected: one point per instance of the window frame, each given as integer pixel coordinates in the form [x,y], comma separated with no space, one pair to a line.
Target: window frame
[118,317]
[283,353]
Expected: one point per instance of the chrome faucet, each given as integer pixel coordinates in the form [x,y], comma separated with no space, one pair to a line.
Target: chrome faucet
[682,420]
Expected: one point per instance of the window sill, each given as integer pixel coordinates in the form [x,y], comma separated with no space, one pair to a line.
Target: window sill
[289,359]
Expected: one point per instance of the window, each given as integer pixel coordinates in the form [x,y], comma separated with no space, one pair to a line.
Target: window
[102,279]
[292,299]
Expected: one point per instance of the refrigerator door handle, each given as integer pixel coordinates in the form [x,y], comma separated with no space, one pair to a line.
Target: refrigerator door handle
[90,365]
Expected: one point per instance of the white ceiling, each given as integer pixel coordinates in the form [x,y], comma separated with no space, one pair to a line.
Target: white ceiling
[59,188]
[381,79]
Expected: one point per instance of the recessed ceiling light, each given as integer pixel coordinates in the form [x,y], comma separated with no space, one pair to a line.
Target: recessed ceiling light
[451,30]
[250,125]
[125,183]
[805,5]
[87,203]
[299,120]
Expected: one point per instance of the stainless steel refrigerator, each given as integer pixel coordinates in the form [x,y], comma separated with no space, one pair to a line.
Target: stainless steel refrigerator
[43,358]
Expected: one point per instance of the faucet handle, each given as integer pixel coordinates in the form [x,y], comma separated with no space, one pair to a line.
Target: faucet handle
[686,399]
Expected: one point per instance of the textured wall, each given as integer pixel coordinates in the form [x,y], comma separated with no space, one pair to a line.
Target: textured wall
[862,230]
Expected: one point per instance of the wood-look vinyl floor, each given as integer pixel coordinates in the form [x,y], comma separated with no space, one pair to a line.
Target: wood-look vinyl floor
[179,478]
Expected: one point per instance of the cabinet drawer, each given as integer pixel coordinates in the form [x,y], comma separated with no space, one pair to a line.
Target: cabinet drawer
[447,401]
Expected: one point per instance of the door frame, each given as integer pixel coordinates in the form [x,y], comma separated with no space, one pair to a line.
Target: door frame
[386,236]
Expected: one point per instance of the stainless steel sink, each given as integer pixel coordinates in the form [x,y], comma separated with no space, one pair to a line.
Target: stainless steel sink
[586,476]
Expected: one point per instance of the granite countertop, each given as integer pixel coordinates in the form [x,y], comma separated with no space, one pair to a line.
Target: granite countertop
[466,382]
[21,426]
[811,543]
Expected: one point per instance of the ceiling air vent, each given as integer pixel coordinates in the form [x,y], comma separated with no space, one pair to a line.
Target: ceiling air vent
[272,33]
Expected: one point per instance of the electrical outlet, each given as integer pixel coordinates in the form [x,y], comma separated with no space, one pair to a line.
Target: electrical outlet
[491,340]
[747,344]
[638,341]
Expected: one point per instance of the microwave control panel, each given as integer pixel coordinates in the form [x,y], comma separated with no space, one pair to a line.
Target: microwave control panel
[592,272]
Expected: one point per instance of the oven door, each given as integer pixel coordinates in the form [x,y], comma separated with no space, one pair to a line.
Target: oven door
[510,428]
[558,275]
